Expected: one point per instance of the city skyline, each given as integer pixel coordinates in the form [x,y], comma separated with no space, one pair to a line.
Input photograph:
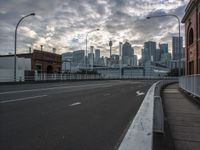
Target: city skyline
[64,24]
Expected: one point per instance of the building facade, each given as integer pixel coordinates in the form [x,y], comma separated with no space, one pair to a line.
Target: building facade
[127,53]
[192,36]
[97,56]
[164,48]
[44,62]
[149,52]
[176,46]
[78,57]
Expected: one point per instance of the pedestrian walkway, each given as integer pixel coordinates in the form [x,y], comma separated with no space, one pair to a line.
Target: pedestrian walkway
[183,118]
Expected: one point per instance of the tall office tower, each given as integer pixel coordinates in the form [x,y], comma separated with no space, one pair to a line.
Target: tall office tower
[127,53]
[97,55]
[164,48]
[127,50]
[175,47]
[135,60]
[110,44]
[78,56]
[91,49]
[91,60]
[150,51]
[158,55]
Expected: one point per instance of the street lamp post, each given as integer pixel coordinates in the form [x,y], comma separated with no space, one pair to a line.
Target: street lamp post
[179,40]
[32,14]
[86,47]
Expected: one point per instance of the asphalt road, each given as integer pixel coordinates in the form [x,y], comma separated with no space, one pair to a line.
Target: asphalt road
[90,115]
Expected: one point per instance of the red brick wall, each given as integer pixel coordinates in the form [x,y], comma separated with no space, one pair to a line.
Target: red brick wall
[46,59]
[192,51]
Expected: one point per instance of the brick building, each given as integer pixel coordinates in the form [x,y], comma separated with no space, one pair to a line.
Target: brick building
[44,62]
[192,34]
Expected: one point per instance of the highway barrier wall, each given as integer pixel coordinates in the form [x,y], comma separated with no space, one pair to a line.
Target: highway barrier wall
[148,120]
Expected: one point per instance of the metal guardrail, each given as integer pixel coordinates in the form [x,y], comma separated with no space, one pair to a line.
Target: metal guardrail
[191,84]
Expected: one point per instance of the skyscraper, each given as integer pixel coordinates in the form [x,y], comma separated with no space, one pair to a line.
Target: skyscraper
[127,53]
[158,55]
[78,56]
[163,48]
[175,47]
[97,55]
[127,50]
[150,51]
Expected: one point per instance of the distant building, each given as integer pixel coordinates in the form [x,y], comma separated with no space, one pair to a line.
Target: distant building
[149,52]
[127,50]
[127,54]
[39,62]
[135,60]
[67,56]
[23,65]
[165,59]
[175,47]
[163,48]
[158,55]
[192,36]
[78,57]
[114,60]
[91,60]
[97,56]
[67,61]
[44,62]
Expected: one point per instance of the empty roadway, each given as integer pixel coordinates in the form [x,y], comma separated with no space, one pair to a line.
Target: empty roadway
[83,115]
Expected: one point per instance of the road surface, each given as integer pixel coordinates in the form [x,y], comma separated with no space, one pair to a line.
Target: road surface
[83,115]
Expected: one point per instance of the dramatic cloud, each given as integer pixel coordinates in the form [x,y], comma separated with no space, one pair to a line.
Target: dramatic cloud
[63,24]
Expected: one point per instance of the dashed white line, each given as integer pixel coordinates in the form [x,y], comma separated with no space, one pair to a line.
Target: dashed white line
[74,104]
[21,99]
[107,94]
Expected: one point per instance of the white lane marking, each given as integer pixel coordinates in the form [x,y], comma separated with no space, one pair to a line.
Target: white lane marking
[139,93]
[107,94]
[52,88]
[74,104]
[21,99]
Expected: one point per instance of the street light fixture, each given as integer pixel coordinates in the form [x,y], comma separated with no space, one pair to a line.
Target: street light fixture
[15,47]
[86,47]
[179,40]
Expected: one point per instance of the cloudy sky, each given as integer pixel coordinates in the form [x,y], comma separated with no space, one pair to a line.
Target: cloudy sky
[63,24]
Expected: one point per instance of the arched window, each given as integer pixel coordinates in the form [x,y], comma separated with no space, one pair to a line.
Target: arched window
[191,36]
[199,25]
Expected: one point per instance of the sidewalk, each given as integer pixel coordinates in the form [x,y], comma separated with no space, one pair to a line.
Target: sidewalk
[183,118]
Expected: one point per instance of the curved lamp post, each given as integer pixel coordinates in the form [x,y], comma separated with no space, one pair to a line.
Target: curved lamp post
[32,14]
[179,28]
[86,46]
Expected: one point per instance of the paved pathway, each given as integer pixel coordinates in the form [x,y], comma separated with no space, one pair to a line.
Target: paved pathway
[183,116]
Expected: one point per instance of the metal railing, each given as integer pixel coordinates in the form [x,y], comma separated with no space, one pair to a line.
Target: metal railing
[44,77]
[191,84]
[68,77]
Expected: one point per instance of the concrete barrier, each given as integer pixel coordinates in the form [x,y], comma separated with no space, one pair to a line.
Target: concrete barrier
[149,119]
